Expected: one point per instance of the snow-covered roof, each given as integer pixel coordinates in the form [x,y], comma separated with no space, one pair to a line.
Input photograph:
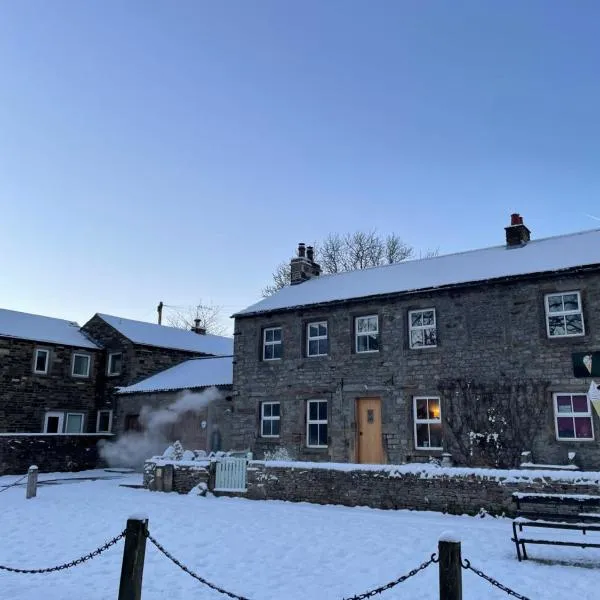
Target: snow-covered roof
[193,373]
[161,336]
[539,256]
[25,326]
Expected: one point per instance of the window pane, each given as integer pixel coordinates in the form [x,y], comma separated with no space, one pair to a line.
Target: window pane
[574,324]
[580,404]
[428,317]
[434,408]
[277,350]
[416,319]
[313,330]
[323,329]
[421,405]
[565,427]
[323,346]
[571,302]
[313,347]
[40,360]
[266,428]
[429,337]
[322,411]
[81,365]
[313,435]
[74,424]
[563,404]
[373,342]
[361,325]
[114,365]
[583,427]
[276,334]
[313,411]
[416,338]
[555,303]
[52,425]
[556,325]
[323,434]
[275,409]
[435,435]
[423,435]
[268,351]
[361,343]
[275,427]
[104,421]
[372,323]
[266,409]
[268,335]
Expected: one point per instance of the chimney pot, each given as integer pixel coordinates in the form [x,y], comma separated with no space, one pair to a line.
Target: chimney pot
[301,250]
[516,219]
[310,253]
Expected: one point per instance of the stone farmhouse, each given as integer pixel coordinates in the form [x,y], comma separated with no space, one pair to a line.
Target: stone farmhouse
[483,354]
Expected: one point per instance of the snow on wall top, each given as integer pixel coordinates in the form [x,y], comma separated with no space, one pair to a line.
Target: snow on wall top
[161,336]
[550,254]
[194,373]
[38,328]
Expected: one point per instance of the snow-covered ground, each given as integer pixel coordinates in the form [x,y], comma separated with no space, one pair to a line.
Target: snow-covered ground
[263,550]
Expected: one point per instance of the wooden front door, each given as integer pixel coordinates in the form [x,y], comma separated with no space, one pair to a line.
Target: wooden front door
[370,448]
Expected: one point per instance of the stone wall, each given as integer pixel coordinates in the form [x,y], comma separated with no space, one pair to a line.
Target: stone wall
[51,453]
[487,333]
[185,477]
[25,396]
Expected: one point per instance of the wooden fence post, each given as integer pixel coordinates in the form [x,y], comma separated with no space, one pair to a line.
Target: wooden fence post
[450,568]
[132,570]
[32,478]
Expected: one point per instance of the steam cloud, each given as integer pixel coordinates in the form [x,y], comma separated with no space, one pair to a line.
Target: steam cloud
[132,448]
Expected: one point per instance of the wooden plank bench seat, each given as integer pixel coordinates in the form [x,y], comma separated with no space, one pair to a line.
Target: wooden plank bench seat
[565,512]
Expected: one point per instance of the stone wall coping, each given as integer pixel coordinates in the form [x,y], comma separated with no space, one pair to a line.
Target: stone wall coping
[56,434]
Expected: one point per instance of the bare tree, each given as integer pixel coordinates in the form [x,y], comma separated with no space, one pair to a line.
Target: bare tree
[492,423]
[349,252]
[211,318]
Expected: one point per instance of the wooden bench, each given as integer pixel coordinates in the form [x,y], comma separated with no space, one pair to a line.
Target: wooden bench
[554,511]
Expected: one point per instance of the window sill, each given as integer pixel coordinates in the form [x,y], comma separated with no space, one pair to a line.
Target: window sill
[575,440]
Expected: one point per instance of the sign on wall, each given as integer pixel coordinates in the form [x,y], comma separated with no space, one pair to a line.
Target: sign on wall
[586,364]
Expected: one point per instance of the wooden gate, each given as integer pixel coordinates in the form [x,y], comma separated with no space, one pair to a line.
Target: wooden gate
[231,475]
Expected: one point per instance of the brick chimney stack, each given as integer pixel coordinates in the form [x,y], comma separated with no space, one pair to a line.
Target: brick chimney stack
[517,233]
[197,328]
[303,266]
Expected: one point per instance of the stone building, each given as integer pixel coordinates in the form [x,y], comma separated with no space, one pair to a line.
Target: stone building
[183,403]
[481,353]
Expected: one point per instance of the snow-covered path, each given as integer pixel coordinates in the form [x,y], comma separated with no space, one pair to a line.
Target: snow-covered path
[263,550]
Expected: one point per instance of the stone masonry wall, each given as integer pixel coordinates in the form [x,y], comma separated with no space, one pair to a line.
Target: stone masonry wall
[486,333]
[51,453]
[25,397]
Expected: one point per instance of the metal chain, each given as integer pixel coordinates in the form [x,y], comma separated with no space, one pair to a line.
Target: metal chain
[394,583]
[7,487]
[73,563]
[467,565]
[194,575]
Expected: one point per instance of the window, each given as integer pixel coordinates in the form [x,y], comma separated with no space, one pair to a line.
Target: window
[81,365]
[270,417]
[41,360]
[316,424]
[74,423]
[132,423]
[104,421]
[272,343]
[563,315]
[428,423]
[53,422]
[317,343]
[115,363]
[573,415]
[422,328]
[367,334]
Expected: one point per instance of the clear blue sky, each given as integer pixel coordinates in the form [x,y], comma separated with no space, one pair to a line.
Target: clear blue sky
[178,151]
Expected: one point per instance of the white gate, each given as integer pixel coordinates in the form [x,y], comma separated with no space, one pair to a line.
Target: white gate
[231,475]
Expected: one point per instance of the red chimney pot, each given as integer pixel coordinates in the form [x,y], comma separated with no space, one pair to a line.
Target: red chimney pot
[516,219]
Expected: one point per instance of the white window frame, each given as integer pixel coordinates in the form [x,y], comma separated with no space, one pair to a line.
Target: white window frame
[572,415]
[109,373]
[46,351]
[61,420]
[412,328]
[89,365]
[72,413]
[316,338]
[263,418]
[272,343]
[310,422]
[564,313]
[110,419]
[367,333]
[426,421]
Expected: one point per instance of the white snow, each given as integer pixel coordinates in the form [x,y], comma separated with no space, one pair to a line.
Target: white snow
[264,550]
[38,328]
[191,374]
[449,536]
[161,336]
[538,256]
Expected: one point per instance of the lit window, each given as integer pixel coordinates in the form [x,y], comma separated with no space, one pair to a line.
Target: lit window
[270,417]
[367,334]
[272,343]
[317,343]
[316,424]
[81,365]
[115,363]
[422,328]
[573,417]
[41,361]
[428,423]
[564,317]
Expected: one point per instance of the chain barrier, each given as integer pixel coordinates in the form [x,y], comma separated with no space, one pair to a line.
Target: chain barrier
[7,487]
[466,564]
[190,572]
[73,563]
[396,582]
